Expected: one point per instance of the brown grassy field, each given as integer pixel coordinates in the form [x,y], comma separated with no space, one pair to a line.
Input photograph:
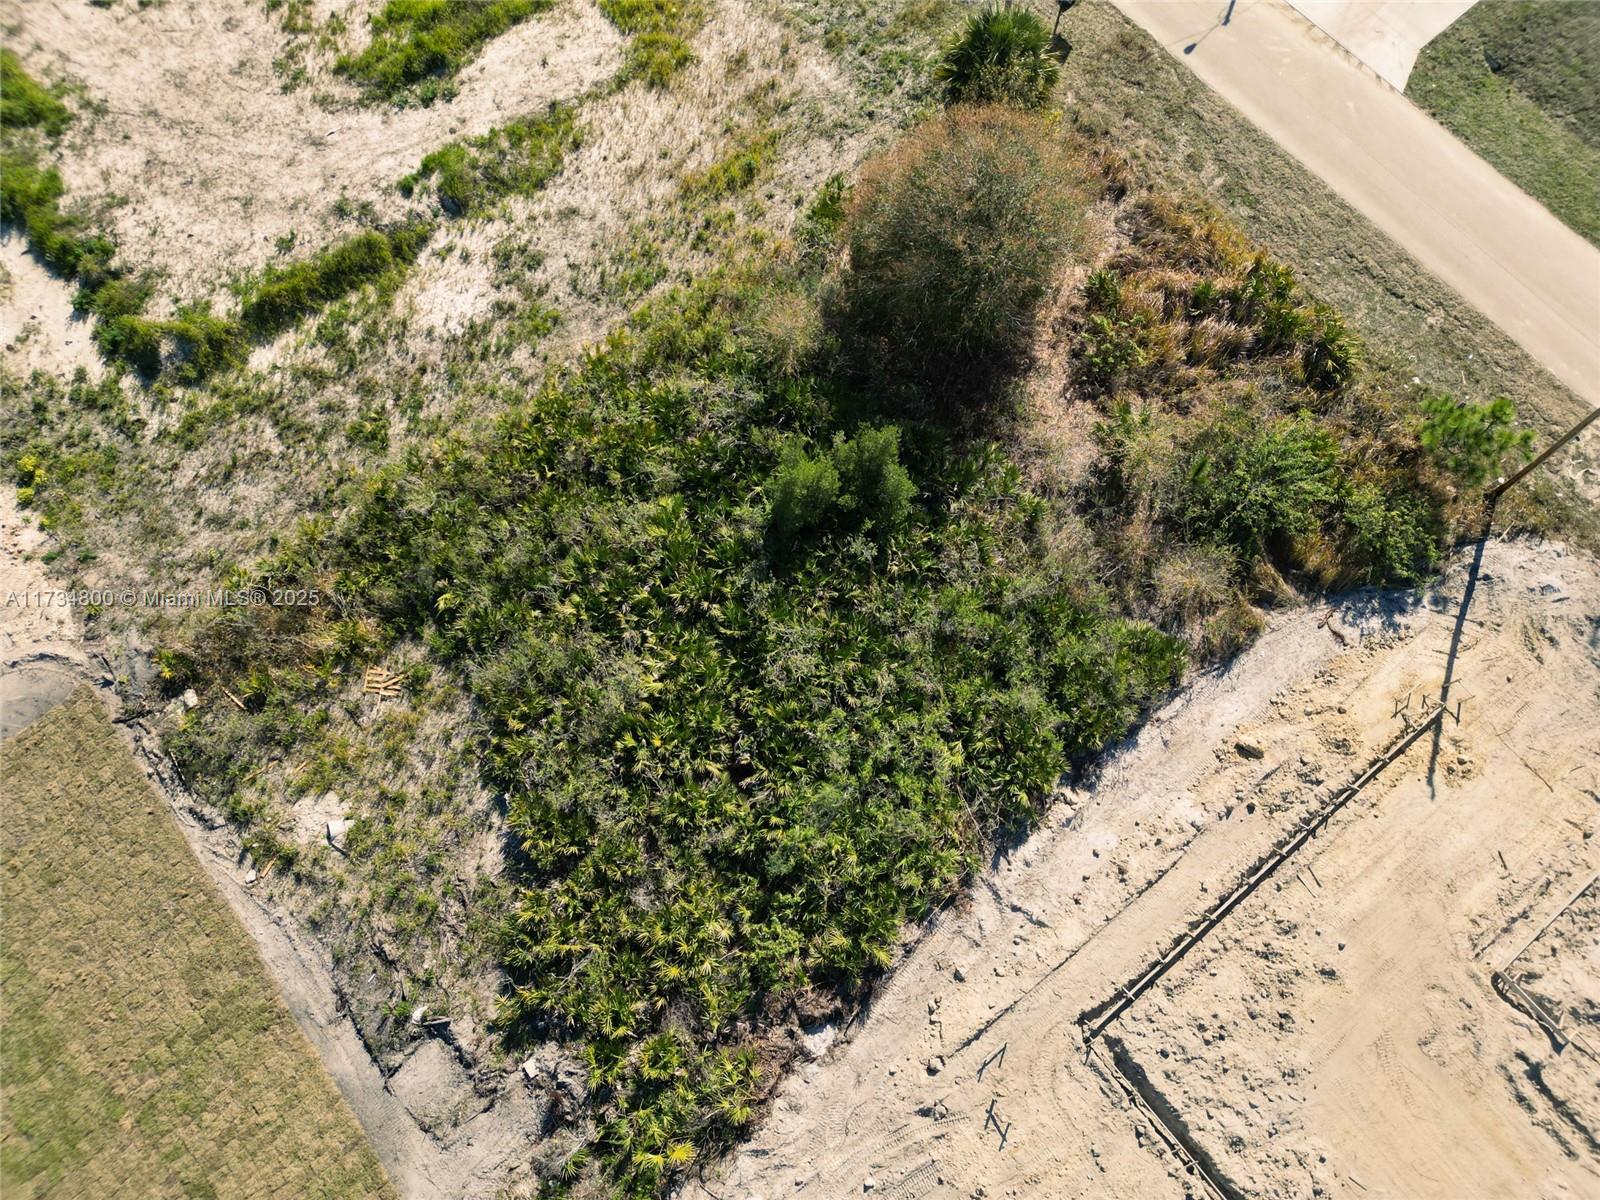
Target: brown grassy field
[146,1052]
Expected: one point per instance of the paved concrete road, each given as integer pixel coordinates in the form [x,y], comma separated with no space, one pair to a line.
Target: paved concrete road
[1458,216]
[1387,35]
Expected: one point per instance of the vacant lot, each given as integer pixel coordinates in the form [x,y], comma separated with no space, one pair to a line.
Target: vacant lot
[1520,84]
[146,1052]
[696,748]
[1336,1032]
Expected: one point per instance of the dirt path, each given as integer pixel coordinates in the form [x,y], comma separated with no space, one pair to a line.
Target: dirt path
[980,1021]
[1505,254]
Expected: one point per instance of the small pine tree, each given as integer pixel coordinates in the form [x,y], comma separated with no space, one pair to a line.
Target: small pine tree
[1471,440]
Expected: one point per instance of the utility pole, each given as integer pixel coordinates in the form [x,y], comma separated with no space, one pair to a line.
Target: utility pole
[1503,483]
[1061,11]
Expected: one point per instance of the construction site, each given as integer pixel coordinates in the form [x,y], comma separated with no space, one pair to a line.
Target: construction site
[1326,927]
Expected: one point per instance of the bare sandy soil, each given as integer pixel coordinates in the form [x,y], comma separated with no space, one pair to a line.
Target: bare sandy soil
[206,161]
[1339,1033]
[38,328]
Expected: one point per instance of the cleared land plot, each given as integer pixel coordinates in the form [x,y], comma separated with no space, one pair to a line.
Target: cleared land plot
[985,1011]
[1520,84]
[146,1052]
[1339,1034]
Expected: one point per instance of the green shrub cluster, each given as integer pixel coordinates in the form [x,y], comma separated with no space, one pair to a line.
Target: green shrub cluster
[1262,305]
[1471,441]
[954,238]
[728,783]
[859,486]
[24,104]
[1000,56]
[284,295]
[30,197]
[518,158]
[761,675]
[1234,426]
[185,348]
[418,45]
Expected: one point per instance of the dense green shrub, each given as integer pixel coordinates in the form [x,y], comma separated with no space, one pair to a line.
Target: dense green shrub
[804,497]
[1394,532]
[1472,440]
[728,783]
[418,45]
[24,104]
[1001,56]
[517,158]
[1102,291]
[876,488]
[1332,353]
[859,485]
[1110,350]
[954,238]
[1257,487]
[283,295]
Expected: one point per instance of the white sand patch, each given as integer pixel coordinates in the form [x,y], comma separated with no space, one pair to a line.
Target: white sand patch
[38,328]
[209,162]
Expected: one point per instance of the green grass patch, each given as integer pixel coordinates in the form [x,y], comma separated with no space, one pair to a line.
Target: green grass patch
[25,103]
[30,198]
[285,295]
[418,45]
[1519,82]
[517,158]
[738,169]
[136,1015]
[658,32]
[185,348]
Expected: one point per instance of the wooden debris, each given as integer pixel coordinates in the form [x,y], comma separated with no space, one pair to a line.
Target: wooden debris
[382,683]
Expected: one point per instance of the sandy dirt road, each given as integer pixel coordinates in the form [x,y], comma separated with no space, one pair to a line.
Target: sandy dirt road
[1506,255]
[968,1076]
